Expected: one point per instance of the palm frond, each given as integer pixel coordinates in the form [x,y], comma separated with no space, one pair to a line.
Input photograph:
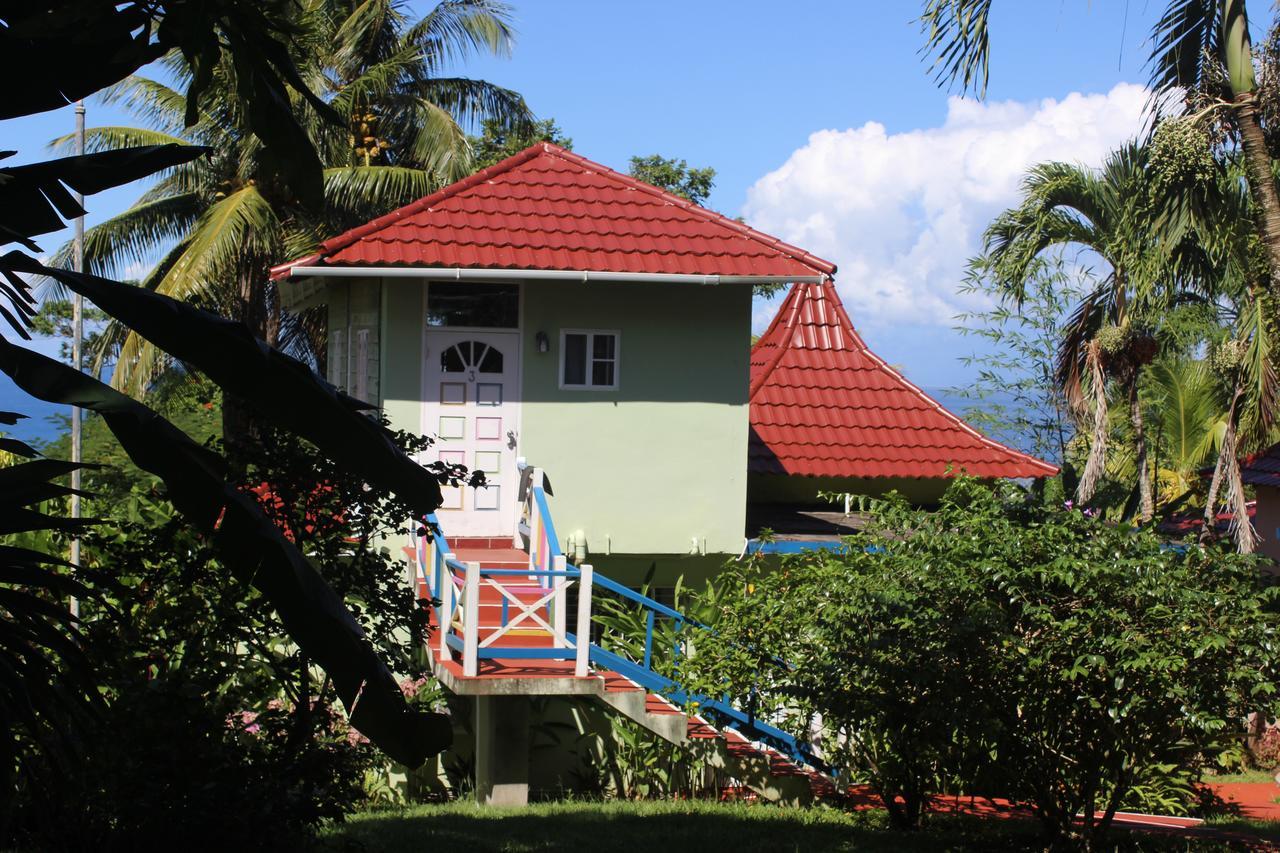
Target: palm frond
[470,101]
[956,40]
[131,237]
[225,243]
[112,137]
[457,29]
[354,194]
[1181,41]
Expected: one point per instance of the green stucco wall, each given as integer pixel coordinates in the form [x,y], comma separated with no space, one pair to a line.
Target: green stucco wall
[402,308]
[659,465]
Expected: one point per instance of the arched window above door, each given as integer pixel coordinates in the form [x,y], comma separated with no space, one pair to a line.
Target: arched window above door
[471,355]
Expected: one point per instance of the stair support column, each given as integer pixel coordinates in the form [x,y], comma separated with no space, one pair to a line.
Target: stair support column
[502,750]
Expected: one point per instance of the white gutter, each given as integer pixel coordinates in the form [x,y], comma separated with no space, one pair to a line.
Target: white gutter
[460,274]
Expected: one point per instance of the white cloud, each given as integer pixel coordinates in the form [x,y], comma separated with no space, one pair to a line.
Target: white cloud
[901,213]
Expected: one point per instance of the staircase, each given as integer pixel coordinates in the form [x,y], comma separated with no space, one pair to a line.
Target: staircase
[499,629]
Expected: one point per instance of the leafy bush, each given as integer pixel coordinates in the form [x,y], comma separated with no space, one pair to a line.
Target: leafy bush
[1002,648]
[177,773]
[220,731]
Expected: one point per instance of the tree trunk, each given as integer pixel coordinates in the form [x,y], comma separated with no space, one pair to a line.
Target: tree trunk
[1262,184]
[1146,500]
[239,431]
[1226,451]
[1211,500]
[1241,526]
[1097,461]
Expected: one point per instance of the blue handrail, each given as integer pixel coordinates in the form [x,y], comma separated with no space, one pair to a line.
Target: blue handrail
[645,676]
[721,711]
[553,541]
[644,600]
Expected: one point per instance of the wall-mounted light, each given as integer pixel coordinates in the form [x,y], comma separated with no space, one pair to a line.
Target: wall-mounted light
[543,342]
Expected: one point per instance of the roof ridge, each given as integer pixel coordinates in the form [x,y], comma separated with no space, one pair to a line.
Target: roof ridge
[784,323]
[823,266]
[351,235]
[539,149]
[963,424]
[772,363]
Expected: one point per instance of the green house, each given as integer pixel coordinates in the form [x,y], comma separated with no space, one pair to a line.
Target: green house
[584,340]
[549,312]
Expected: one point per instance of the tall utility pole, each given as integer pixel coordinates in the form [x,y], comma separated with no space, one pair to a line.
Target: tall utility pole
[77,332]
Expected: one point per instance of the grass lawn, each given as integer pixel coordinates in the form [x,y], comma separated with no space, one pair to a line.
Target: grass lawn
[1248,777]
[673,827]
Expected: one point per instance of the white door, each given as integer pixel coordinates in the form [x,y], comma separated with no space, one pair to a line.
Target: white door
[470,408]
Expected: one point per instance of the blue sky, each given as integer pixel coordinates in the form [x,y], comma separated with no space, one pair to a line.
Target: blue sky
[823,125]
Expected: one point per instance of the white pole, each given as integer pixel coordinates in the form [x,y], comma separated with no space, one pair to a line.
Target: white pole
[471,622]
[583,657]
[561,601]
[77,333]
[446,608]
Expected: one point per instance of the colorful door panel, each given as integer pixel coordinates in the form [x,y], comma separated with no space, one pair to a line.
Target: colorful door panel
[471,409]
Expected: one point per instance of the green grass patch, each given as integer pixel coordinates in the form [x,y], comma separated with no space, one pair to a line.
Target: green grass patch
[677,826]
[1248,777]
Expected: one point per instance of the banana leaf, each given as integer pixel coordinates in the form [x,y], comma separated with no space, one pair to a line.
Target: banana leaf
[47,683]
[54,52]
[253,548]
[278,387]
[36,199]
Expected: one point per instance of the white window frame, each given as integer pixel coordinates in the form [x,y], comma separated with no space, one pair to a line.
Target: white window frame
[591,335]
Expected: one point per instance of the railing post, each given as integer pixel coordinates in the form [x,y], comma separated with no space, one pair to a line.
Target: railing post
[471,621]
[520,506]
[535,522]
[560,603]
[437,565]
[446,606]
[428,567]
[583,658]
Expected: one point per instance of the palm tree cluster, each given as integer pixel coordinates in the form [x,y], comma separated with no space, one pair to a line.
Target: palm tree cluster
[210,230]
[1178,324]
[1190,217]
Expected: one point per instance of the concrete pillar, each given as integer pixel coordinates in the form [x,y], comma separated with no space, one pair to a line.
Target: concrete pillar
[502,750]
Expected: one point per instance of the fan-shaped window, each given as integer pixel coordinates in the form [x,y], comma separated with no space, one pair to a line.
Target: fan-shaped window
[471,355]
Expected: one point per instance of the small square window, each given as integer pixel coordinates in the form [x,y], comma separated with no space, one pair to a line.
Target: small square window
[588,359]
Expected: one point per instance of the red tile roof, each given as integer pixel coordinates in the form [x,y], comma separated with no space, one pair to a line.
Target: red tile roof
[823,405]
[547,208]
[1263,468]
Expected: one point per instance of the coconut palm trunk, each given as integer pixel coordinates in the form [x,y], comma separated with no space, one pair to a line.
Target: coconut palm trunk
[1096,464]
[1241,527]
[1146,498]
[1262,184]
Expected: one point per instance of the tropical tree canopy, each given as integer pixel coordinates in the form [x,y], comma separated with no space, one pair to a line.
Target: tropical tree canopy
[214,227]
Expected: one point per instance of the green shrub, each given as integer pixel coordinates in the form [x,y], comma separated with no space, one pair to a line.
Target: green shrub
[174,771]
[1002,648]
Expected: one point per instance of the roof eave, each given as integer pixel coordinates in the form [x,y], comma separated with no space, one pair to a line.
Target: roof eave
[299,270]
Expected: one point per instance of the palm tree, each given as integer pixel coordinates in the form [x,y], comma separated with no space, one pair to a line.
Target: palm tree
[1190,409]
[1106,339]
[1233,276]
[1200,47]
[218,224]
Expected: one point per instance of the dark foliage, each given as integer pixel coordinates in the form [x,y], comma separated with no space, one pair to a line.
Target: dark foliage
[1002,648]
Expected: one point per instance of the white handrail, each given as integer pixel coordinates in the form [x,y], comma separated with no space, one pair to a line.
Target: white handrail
[560,604]
[446,608]
[471,621]
[583,633]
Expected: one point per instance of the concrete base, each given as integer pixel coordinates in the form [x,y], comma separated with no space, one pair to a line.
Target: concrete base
[502,750]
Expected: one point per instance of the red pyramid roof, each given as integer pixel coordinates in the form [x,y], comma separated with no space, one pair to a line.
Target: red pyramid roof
[823,405]
[547,208]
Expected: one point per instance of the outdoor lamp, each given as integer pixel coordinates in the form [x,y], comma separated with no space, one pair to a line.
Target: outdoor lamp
[543,342]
